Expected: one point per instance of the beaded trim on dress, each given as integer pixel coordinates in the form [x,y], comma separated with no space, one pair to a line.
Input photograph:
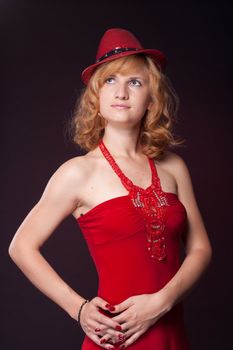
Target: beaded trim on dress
[151,202]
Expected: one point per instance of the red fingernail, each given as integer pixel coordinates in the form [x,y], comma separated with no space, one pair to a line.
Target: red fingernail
[123,347]
[110,307]
[118,328]
[102,341]
[97,330]
[121,337]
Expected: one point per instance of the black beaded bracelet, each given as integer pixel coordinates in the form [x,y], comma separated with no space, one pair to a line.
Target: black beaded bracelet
[80,309]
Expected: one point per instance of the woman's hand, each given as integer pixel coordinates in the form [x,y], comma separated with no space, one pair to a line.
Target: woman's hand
[101,329]
[138,313]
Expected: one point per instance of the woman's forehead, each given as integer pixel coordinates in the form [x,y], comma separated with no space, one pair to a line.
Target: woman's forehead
[128,71]
[136,74]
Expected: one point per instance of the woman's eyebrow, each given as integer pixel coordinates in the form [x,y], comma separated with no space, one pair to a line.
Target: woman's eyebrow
[128,77]
[136,77]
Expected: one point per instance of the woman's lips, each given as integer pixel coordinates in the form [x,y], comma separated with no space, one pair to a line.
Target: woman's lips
[120,106]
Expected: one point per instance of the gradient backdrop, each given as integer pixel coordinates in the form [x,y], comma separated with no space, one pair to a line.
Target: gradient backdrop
[44,47]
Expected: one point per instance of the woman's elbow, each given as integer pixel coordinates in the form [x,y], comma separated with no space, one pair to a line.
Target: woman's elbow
[17,249]
[204,251]
[207,253]
[14,250]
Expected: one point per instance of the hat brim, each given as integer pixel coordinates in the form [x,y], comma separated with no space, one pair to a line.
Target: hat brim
[158,56]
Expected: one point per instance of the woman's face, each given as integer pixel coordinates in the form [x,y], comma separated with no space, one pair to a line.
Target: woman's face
[124,98]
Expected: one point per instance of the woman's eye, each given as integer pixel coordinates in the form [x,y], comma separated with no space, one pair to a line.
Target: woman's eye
[109,80]
[135,82]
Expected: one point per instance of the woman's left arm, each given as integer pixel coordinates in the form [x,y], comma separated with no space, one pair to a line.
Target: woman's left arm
[138,313]
[196,242]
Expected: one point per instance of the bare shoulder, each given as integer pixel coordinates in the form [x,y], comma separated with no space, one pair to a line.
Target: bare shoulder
[70,176]
[73,169]
[173,167]
[174,164]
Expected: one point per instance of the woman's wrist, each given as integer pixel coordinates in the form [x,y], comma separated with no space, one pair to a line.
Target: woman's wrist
[164,301]
[74,306]
[80,309]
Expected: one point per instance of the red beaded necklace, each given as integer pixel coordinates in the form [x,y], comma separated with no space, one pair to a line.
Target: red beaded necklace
[150,202]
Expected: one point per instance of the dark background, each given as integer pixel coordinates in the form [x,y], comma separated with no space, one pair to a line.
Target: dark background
[44,47]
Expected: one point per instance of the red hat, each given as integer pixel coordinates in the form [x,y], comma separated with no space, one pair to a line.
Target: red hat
[117,42]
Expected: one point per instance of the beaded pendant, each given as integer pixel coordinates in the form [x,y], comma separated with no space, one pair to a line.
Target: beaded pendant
[151,204]
[152,207]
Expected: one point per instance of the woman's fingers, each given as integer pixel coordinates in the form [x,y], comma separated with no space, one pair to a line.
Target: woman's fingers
[122,306]
[107,322]
[98,325]
[109,333]
[130,340]
[104,328]
[116,338]
[103,304]
[132,333]
[92,316]
[99,341]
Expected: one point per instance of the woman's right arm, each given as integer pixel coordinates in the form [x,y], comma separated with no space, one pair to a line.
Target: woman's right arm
[57,202]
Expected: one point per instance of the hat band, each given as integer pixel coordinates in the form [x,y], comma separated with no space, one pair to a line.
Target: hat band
[115,52]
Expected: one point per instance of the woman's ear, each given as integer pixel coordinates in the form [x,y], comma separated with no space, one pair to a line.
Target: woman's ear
[149,105]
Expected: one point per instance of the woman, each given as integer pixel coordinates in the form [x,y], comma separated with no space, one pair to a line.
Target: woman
[133,200]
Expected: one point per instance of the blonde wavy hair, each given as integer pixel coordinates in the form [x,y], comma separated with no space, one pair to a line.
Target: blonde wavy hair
[87,125]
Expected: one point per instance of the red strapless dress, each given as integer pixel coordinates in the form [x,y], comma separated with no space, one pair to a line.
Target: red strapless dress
[134,241]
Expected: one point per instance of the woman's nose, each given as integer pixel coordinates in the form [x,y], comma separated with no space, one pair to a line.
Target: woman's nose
[122,92]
